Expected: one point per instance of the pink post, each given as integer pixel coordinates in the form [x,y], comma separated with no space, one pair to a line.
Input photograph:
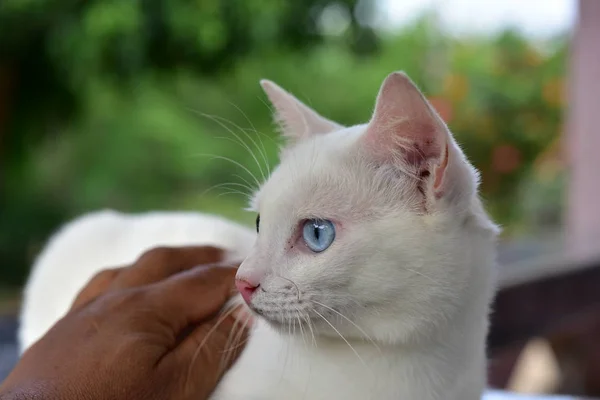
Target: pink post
[583,134]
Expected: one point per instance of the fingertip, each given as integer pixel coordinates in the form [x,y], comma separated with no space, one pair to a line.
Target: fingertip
[211,275]
[222,275]
[195,295]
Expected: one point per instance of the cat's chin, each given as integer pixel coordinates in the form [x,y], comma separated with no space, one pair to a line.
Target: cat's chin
[282,326]
[287,327]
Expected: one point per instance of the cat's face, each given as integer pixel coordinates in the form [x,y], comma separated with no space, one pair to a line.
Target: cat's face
[372,231]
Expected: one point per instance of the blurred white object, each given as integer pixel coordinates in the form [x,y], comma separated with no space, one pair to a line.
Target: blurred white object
[106,239]
[537,369]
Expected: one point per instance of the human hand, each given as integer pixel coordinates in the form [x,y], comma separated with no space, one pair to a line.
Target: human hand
[152,330]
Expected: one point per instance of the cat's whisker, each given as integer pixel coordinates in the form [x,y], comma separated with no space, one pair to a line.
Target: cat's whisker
[222,318]
[293,283]
[271,109]
[261,149]
[236,192]
[361,330]
[301,330]
[264,151]
[422,274]
[298,318]
[237,342]
[260,140]
[249,185]
[341,336]
[242,144]
[272,112]
[233,347]
[262,144]
[223,362]
[219,120]
[237,186]
[338,297]
[294,325]
[309,323]
[225,185]
[233,304]
[264,135]
[229,352]
[216,157]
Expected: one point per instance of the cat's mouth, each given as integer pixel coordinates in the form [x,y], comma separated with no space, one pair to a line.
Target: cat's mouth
[293,311]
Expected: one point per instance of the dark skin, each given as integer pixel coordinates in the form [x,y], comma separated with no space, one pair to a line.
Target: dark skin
[152,330]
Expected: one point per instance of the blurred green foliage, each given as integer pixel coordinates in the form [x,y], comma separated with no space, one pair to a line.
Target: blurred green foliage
[136,105]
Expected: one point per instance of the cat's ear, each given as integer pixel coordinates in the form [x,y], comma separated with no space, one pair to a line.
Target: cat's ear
[406,131]
[296,120]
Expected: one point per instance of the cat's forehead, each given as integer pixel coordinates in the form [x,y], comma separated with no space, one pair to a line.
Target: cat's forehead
[321,177]
[309,171]
[333,144]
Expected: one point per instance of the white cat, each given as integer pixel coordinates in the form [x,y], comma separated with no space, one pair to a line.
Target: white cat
[374,266]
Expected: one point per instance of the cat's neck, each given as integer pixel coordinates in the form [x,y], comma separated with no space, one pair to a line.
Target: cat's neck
[450,363]
[456,334]
[452,368]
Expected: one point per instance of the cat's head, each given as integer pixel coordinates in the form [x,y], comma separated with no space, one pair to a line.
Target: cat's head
[374,230]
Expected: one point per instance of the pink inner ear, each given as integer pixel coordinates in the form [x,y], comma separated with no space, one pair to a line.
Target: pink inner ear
[404,128]
[411,142]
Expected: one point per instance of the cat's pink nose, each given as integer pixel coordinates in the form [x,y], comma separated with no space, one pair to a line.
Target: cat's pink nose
[246,289]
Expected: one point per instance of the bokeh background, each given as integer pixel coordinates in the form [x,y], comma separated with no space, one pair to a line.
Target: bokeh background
[144,105]
[135,105]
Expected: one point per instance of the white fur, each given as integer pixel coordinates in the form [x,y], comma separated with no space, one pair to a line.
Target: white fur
[396,308]
[110,239]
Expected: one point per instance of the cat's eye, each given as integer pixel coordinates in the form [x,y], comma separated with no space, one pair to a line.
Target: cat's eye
[257,223]
[318,234]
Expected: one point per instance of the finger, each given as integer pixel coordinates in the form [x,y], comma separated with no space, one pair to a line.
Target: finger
[160,263]
[209,351]
[192,296]
[97,286]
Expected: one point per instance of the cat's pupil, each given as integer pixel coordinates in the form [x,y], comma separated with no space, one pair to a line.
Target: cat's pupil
[257,222]
[317,231]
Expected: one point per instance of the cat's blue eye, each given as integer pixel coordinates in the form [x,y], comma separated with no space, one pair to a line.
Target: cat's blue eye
[318,234]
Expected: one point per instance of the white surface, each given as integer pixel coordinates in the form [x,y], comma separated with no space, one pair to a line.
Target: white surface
[497,395]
